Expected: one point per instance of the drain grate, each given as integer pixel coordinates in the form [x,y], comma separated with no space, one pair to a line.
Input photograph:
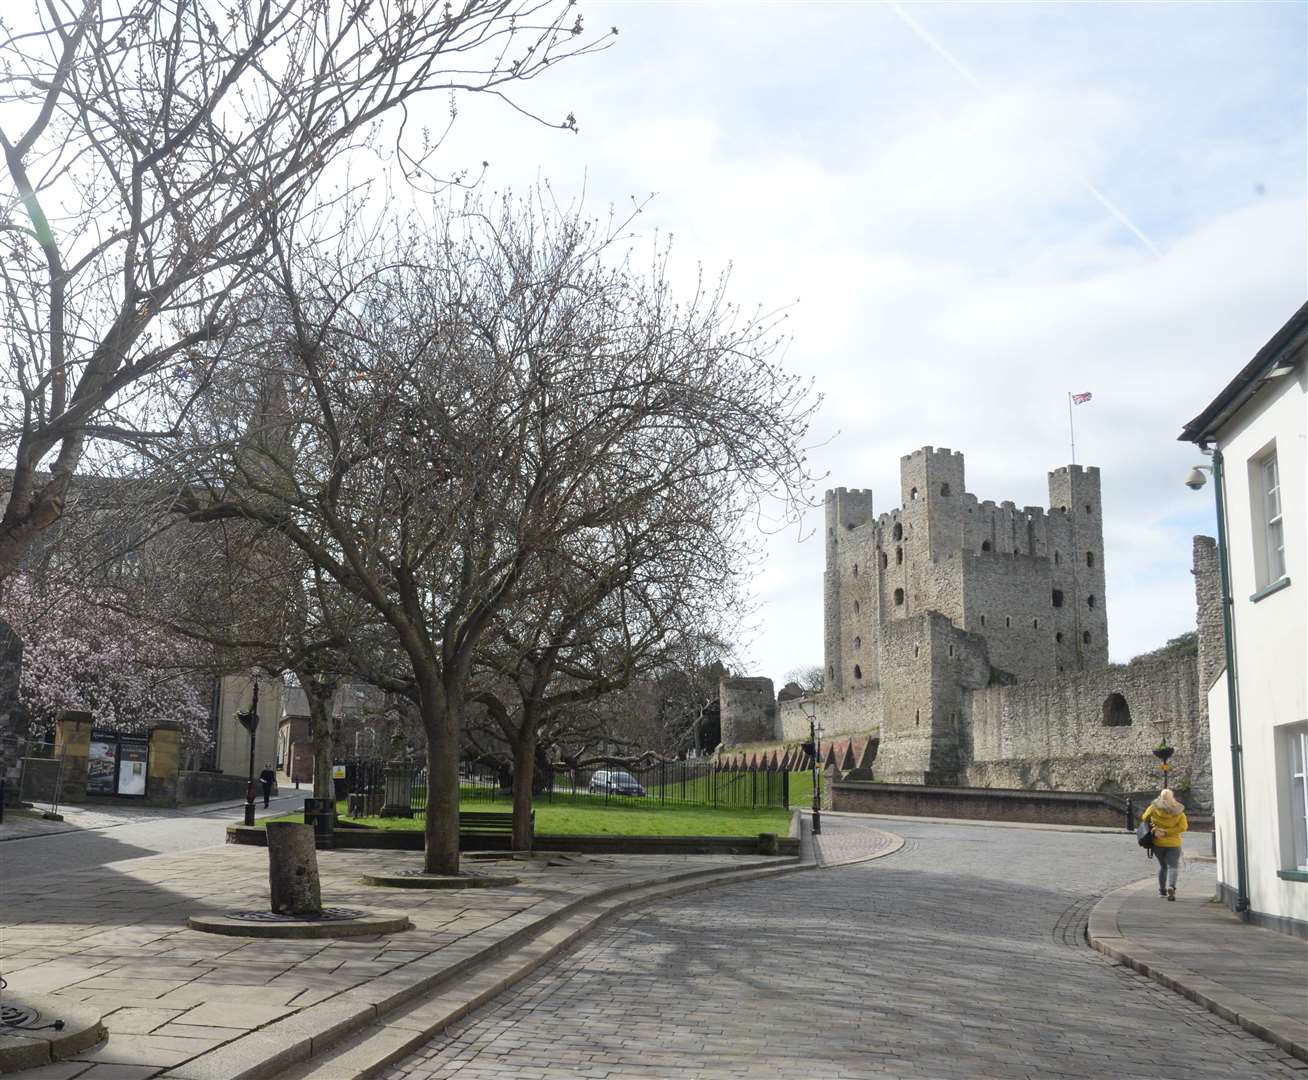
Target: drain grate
[18,1016]
[328,914]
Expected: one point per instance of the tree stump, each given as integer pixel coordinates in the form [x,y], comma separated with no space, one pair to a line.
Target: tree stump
[293,869]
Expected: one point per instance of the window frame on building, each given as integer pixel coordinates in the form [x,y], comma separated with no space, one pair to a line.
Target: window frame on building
[1268,519]
[1296,802]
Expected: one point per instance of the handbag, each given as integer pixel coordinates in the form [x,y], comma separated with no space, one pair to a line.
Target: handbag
[1144,835]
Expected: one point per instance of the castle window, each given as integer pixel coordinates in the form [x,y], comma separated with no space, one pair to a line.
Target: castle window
[1089,558]
[831,672]
[983,620]
[951,650]
[1117,713]
[917,718]
[985,545]
[1087,508]
[856,569]
[831,533]
[899,597]
[898,531]
[885,560]
[899,556]
[1090,600]
[858,643]
[1008,620]
[1058,598]
[944,489]
[916,650]
[855,607]
[1085,637]
[912,495]
[1058,637]
[858,672]
[1057,559]
[1035,624]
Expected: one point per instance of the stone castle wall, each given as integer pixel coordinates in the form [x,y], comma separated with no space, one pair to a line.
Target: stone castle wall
[748,710]
[855,713]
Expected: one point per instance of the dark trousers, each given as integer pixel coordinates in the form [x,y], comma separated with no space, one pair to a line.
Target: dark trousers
[267,792]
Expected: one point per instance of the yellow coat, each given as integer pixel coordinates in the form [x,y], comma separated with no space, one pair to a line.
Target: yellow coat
[1167,827]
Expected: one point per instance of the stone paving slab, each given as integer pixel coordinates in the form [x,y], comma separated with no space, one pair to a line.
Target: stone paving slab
[115,937]
[1198,947]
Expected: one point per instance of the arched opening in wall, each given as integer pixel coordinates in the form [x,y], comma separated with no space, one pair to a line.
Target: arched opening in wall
[1057,558]
[898,531]
[899,597]
[1090,600]
[1089,558]
[885,560]
[1117,713]
[1085,637]
[944,489]
[1058,637]
[912,495]
[858,643]
[985,545]
[899,556]
[1058,598]
[858,672]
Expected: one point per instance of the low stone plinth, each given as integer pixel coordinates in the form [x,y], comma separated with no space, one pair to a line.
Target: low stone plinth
[420,879]
[333,922]
[29,1037]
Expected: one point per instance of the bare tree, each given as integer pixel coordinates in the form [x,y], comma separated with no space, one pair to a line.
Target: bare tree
[810,678]
[150,149]
[470,409]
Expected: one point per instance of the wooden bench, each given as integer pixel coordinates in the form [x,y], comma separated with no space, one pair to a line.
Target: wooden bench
[486,822]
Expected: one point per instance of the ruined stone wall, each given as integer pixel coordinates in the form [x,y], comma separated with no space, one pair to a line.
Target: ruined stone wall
[1208,600]
[1067,733]
[857,712]
[748,710]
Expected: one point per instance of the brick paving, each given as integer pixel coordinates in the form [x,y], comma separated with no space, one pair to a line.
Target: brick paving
[961,955]
[115,936]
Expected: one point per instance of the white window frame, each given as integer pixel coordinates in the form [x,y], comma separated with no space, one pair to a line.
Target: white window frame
[1296,767]
[1268,520]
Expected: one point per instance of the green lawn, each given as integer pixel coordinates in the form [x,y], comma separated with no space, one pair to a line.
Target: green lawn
[583,816]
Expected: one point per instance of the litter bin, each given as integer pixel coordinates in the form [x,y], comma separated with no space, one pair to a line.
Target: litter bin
[321,814]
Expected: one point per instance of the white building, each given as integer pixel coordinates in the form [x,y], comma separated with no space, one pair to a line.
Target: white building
[1256,429]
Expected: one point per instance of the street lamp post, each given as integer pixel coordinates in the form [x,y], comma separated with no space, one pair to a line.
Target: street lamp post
[812,749]
[250,721]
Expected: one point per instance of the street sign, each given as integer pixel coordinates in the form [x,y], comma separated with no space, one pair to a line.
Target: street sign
[338,772]
[248,720]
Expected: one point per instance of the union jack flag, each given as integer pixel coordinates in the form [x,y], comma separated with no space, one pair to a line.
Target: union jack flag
[1081,399]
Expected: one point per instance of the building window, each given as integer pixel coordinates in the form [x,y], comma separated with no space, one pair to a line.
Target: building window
[985,545]
[856,569]
[1085,637]
[1089,558]
[858,643]
[1058,598]
[1116,711]
[1058,638]
[1298,763]
[912,495]
[1090,600]
[899,597]
[1008,621]
[944,489]
[899,556]
[916,650]
[858,672]
[856,609]
[1267,516]
[885,560]
[1035,624]
[1087,508]
[898,531]
[951,650]
[983,620]
[1057,558]
[917,718]
[831,672]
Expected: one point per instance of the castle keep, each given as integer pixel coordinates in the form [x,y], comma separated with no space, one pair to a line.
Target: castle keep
[968,641]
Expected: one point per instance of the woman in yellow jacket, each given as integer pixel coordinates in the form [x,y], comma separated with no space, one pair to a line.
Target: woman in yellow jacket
[1167,816]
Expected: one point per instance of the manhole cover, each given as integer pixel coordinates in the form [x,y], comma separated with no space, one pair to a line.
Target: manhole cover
[328,914]
[18,1016]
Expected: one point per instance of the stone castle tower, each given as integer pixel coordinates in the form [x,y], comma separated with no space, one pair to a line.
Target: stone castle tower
[1029,581]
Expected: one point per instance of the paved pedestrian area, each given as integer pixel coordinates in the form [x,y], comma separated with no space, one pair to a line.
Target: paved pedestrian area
[961,955]
[115,936]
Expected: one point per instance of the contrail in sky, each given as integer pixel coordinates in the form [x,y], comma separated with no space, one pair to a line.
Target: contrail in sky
[967,73]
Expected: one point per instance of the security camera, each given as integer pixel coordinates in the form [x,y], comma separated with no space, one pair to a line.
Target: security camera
[1195,479]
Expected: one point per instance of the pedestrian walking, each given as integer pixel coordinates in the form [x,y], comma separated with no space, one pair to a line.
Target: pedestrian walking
[1167,818]
[267,778]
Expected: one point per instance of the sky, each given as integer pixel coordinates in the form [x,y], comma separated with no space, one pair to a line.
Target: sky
[966,211]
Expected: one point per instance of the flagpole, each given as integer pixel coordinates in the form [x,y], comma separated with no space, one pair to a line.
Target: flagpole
[1071,430]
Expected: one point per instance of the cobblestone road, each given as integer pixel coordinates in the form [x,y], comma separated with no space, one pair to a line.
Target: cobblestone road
[962,955]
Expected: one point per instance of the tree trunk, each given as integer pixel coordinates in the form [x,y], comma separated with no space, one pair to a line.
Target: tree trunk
[441,720]
[293,869]
[320,722]
[524,771]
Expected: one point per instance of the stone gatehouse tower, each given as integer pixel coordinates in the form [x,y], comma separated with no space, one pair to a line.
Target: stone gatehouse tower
[968,641]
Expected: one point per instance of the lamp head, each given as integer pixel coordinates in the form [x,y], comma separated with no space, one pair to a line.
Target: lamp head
[1195,479]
